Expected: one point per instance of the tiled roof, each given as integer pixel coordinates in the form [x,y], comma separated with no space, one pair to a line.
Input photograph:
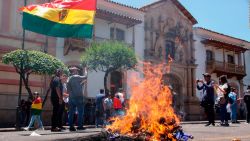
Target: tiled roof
[179,6]
[229,46]
[221,34]
[120,18]
[110,1]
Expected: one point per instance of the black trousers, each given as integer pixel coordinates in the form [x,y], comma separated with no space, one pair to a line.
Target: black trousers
[57,115]
[248,112]
[209,110]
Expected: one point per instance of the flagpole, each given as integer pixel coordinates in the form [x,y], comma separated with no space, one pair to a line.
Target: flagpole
[18,110]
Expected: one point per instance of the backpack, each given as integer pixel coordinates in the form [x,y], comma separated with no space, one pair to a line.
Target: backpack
[230,100]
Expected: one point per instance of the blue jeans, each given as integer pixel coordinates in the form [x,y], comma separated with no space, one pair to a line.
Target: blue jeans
[99,117]
[233,112]
[32,120]
[73,104]
[223,113]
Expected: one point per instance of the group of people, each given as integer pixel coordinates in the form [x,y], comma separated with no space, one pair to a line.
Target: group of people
[108,106]
[65,93]
[224,96]
[68,100]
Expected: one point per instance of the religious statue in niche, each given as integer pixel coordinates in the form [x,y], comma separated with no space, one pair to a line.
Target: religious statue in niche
[170,40]
[75,44]
[176,39]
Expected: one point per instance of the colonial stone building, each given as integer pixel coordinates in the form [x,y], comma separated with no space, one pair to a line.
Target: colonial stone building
[157,32]
[220,54]
[113,21]
[169,34]
[11,39]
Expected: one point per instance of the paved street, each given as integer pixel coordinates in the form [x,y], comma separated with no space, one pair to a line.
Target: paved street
[199,131]
[218,133]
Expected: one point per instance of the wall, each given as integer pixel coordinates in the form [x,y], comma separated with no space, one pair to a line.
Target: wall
[102,30]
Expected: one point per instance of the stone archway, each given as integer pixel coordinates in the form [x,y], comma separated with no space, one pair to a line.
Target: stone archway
[175,84]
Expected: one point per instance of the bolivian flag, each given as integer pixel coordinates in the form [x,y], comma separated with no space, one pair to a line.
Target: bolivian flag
[61,18]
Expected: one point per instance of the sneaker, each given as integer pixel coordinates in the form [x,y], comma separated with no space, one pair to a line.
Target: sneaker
[226,124]
[81,128]
[62,128]
[41,129]
[207,124]
[72,129]
[26,128]
[56,130]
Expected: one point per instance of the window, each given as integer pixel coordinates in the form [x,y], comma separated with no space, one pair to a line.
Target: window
[117,34]
[209,55]
[230,59]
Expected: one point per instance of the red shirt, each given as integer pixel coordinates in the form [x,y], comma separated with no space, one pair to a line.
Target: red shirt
[117,103]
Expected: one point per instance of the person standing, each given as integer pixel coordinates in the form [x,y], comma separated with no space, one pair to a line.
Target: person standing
[208,97]
[120,95]
[247,102]
[57,101]
[64,80]
[233,105]
[99,108]
[223,91]
[117,104]
[76,98]
[108,104]
[36,109]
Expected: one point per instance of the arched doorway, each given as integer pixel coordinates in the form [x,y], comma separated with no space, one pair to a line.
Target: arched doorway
[175,84]
[115,81]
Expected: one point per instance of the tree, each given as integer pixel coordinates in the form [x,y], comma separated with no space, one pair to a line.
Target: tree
[108,56]
[32,62]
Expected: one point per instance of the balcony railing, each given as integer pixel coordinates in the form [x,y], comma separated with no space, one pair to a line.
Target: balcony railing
[225,68]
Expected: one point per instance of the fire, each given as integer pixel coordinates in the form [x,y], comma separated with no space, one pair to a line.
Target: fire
[150,109]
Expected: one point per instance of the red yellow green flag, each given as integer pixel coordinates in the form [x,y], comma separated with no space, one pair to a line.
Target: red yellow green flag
[61,18]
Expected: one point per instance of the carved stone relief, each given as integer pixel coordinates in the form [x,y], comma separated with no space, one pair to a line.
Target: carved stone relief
[71,44]
[170,38]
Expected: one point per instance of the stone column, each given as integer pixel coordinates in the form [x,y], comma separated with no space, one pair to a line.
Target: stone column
[241,89]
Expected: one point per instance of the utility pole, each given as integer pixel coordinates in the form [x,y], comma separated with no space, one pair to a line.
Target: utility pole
[18,109]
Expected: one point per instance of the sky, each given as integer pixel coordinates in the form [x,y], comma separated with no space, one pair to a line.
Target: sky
[230,17]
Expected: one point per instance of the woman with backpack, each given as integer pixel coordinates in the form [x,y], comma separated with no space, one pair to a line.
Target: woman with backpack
[232,100]
[223,91]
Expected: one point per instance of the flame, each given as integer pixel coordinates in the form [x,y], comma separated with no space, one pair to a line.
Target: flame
[150,106]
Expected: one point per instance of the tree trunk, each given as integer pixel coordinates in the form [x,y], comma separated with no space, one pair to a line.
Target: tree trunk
[105,80]
[26,83]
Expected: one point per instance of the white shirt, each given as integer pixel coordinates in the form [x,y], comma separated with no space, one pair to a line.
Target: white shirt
[219,92]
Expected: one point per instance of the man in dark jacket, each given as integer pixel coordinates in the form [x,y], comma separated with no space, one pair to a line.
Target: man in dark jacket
[247,101]
[208,97]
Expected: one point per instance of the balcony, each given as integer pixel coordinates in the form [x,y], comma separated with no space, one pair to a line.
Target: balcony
[224,68]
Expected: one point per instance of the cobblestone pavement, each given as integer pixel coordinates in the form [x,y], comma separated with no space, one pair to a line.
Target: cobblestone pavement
[218,133]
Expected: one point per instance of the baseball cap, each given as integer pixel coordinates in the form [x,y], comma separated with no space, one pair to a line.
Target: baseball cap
[206,74]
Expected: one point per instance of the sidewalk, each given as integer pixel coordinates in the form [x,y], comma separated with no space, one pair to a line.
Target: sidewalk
[46,135]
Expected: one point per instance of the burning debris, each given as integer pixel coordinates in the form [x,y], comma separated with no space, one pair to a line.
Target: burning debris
[150,115]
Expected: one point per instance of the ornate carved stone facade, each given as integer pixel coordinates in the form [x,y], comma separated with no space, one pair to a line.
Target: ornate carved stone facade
[169,35]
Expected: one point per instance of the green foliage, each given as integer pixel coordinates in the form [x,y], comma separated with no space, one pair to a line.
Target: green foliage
[33,61]
[109,56]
